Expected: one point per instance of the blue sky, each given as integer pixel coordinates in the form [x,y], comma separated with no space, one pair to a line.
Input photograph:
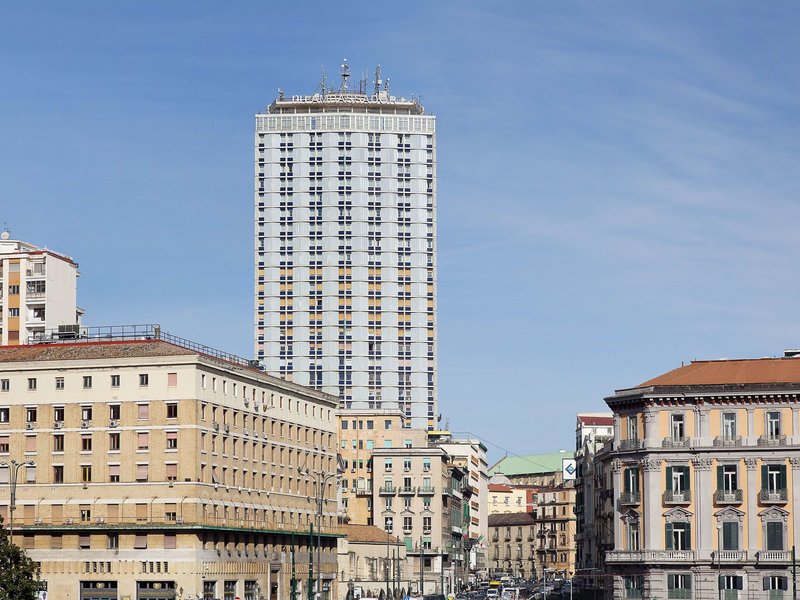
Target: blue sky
[617,181]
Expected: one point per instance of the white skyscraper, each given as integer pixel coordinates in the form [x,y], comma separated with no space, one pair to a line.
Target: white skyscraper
[345,248]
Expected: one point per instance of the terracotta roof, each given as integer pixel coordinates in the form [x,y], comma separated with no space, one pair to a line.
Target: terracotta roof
[499,487]
[721,372]
[368,533]
[520,518]
[596,420]
[91,350]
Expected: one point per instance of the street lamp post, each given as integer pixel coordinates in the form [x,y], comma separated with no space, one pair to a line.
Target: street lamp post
[14,468]
[320,479]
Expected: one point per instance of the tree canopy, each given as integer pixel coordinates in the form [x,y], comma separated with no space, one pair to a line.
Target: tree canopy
[18,573]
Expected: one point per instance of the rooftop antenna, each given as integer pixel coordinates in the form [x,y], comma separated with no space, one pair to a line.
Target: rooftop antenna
[378,81]
[280,94]
[362,83]
[386,86]
[322,83]
[345,75]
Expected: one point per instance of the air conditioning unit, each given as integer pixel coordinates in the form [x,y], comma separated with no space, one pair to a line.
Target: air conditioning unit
[58,425]
[28,425]
[84,424]
[113,423]
[179,520]
[100,520]
[68,521]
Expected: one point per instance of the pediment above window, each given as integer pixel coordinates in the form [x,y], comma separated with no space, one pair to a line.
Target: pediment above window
[774,513]
[677,515]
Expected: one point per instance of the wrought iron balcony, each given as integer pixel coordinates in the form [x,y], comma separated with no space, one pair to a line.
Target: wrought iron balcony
[728,496]
[634,444]
[426,490]
[773,496]
[407,490]
[727,441]
[682,497]
[675,442]
[772,440]
[630,498]
[388,490]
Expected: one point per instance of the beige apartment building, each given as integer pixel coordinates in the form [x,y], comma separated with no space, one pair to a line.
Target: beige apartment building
[370,560]
[38,291]
[360,434]
[706,476]
[151,467]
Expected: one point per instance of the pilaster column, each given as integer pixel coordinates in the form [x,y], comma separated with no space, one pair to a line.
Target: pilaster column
[702,494]
[616,431]
[795,462]
[752,500]
[795,425]
[651,429]
[651,504]
[616,475]
[751,423]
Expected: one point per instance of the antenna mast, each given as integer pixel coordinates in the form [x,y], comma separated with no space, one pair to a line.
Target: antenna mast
[378,81]
[345,75]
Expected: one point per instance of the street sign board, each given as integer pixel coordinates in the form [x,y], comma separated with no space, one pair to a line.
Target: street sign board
[568,468]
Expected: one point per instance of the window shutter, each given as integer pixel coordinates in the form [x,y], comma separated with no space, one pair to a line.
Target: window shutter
[720,478]
[627,482]
[783,583]
[668,535]
[720,582]
[686,480]
[668,487]
[688,536]
[765,583]
[764,478]
[783,477]
[738,580]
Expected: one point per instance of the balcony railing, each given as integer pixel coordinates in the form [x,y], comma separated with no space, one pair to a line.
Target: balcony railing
[728,496]
[773,556]
[682,497]
[630,498]
[407,490]
[634,444]
[730,556]
[772,440]
[726,441]
[364,491]
[631,556]
[387,490]
[426,490]
[773,496]
[675,442]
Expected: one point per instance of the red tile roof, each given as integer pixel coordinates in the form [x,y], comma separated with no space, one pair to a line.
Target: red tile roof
[499,487]
[596,420]
[720,372]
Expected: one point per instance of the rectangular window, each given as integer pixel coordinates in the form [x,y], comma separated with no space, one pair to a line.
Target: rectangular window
[86,473]
[5,385]
[5,414]
[113,473]
[141,472]
[172,380]
[86,413]
[388,524]
[773,424]
[729,425]
[115,381]
[58,442]
[677,428]
[140,541]
[679,586]
[171,471]
[32,384]
[86,442]
[59,383]
[730,535]
[678,536]
[633,428]
[776,582]
[633,586]
[172,411]
[87,382]
[387,465]
[773,480]
[142,411]
[142,440]
[58,474]
[58,414]
[631,480]
[144,379]
[30,414]
[113,441]
[172,440]
[775,535]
